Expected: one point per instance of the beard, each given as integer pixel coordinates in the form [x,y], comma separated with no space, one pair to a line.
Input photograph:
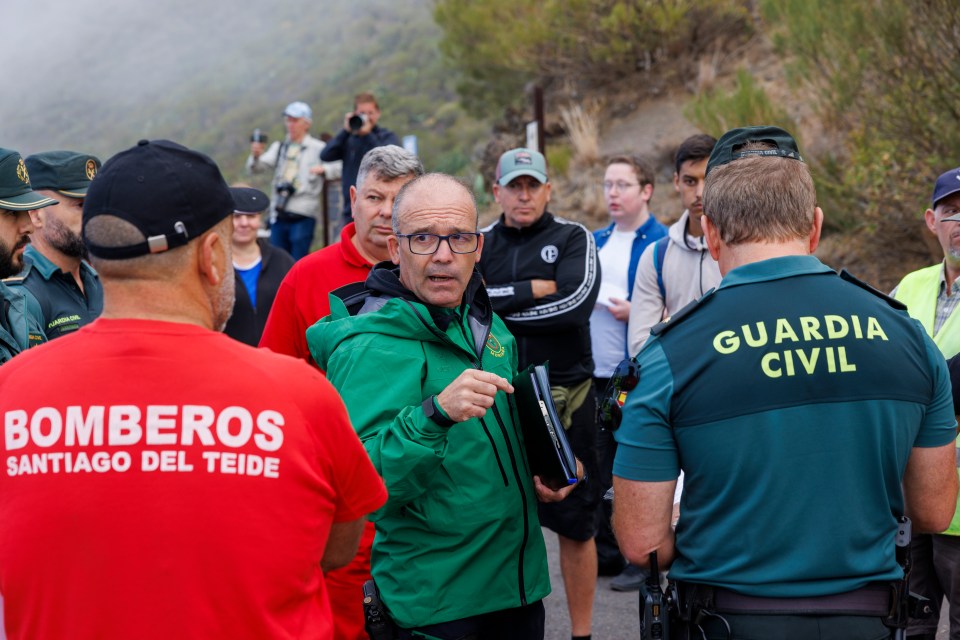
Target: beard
[226,296]
[63,239]
[10,264]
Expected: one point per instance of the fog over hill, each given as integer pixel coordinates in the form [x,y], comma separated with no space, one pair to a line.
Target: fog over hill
[97,75]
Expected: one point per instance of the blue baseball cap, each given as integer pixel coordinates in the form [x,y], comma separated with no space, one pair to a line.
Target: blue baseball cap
[947,184]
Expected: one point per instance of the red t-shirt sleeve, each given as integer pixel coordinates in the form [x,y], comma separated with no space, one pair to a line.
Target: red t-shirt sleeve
[285,332]
[358,487]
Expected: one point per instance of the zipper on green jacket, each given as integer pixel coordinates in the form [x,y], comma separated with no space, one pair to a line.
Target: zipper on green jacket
[523,499]
[478,364]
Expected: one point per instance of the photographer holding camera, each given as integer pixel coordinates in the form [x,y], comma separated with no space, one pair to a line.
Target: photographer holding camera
[360,134]
[297,180]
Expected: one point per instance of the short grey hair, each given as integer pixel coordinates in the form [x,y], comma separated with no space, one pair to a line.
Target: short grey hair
[389,163]
[430,177]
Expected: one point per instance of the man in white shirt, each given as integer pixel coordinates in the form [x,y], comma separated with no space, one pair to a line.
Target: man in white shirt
[627,189]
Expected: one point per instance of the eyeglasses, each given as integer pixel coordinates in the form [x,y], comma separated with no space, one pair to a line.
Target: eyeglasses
[426,244]
[620,185]
[625,378]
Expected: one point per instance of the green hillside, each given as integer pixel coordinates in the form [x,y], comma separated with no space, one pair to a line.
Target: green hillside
[207,73]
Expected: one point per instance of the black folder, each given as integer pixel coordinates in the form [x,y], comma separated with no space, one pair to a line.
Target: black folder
[548,450]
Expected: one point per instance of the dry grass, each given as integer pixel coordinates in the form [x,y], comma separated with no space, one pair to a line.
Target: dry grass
[581,123]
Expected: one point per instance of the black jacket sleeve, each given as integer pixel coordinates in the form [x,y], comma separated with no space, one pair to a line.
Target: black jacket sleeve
[336,149]
[577,275]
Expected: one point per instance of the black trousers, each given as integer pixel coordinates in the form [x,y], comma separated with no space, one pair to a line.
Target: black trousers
[522,623]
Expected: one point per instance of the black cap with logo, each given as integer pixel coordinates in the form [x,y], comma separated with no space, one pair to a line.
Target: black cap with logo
[170,193]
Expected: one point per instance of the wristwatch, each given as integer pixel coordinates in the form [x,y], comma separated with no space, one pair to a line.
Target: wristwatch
[432,412]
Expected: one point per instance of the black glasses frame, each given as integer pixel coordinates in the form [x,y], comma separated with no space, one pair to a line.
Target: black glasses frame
[440,238]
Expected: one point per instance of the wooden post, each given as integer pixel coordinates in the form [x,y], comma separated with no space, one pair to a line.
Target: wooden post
[538,116]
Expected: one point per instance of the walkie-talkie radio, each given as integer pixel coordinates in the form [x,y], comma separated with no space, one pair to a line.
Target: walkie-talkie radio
[654,614]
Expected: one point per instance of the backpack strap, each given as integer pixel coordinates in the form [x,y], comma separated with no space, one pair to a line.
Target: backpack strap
[659,253]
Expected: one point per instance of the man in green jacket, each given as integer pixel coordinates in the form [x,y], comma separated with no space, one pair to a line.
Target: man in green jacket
[19,328]
[425,369]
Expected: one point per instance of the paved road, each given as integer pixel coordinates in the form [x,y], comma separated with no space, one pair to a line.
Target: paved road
[614,614]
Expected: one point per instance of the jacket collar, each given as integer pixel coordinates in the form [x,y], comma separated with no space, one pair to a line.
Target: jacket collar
[384,281]
[46,268]
[542,223]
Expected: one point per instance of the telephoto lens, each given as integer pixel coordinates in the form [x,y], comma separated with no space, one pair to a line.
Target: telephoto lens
[357,121]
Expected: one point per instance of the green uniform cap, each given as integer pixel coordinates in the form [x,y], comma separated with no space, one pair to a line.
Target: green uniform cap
[67,172]
[15,191]
[728,147]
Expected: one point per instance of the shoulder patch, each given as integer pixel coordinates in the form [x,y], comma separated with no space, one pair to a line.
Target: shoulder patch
[678,317]
[893,302]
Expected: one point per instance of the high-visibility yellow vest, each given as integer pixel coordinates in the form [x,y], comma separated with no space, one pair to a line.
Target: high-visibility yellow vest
[919,291]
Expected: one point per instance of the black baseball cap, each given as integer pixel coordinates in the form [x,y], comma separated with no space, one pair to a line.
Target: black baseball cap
[170,193]
[249,200]
[729,146]
[16,193]
[66,172]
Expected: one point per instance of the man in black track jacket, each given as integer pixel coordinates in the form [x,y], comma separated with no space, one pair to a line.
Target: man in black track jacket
[543,277]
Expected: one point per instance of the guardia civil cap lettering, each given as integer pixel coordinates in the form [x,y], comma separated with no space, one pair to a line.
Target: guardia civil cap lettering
[170,193]
[298,110]
[248,200]
[66,172]
[729,146]
[16,192]
[521,162]
[947,184]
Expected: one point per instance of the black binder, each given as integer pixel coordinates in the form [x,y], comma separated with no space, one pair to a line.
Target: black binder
[548,450]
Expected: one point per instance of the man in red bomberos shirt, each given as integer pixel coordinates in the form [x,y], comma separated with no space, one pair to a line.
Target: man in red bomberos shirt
[177,484]
[303,299]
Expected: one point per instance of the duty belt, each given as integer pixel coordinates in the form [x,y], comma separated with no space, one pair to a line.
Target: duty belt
[871,600]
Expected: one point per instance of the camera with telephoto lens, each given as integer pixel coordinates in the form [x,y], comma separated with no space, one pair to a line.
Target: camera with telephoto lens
[356,121]
[284,191]
[258,136]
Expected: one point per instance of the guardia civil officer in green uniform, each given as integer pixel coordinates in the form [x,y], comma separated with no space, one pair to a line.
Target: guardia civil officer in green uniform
[18,326]
[807,411]
[55,273]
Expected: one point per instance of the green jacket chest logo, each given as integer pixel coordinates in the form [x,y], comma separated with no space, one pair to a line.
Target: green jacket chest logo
[496,349]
